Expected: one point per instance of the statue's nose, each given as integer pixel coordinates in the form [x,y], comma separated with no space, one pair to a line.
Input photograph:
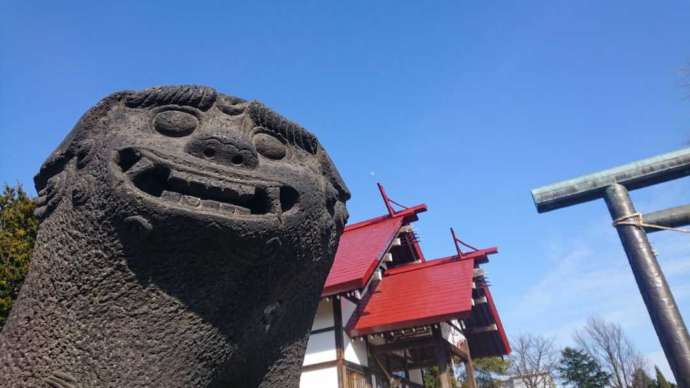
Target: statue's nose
[234,152]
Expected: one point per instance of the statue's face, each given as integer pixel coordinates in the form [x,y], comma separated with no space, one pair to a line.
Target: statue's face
[217,166]
[194,165]
[223,205]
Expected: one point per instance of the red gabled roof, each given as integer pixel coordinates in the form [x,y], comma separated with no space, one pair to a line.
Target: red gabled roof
[362,246]
[414,294]
[359,252]
[422,294]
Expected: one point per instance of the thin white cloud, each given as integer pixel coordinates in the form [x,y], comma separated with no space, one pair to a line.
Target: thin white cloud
[590,276]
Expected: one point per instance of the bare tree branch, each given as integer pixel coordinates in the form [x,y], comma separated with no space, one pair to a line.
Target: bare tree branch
[533,360]
[607,343]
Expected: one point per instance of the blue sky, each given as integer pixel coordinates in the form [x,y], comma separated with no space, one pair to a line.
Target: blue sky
[465,106]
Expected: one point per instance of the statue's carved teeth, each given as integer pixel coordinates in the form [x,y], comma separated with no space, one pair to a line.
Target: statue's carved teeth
[177,183]
[191,201]
[160,179]
[273,193]
[171,196]
[227,208]
[244,190]
[140,167]
[211,195]
[234,209]
[209,204]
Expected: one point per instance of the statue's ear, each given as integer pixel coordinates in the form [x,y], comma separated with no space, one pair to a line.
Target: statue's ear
[51,180]
[50,184]
[332,175]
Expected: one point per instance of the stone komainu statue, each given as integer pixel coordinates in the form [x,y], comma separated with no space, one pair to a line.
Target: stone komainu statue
[184,241]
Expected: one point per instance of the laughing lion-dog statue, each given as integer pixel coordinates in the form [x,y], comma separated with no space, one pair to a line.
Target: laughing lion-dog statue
[185,237]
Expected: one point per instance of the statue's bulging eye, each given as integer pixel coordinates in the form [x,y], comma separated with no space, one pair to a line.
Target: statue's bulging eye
[269,146]
[175,123]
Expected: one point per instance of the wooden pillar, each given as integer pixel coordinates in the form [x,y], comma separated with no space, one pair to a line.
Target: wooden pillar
[469,368]
[339,342]
[407,372]
[445,374]
[369,361]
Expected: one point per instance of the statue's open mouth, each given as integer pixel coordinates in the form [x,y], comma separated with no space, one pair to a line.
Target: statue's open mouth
[183,186]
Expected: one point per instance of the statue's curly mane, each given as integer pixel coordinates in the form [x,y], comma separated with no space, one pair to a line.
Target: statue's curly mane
[201,97]
[295,134]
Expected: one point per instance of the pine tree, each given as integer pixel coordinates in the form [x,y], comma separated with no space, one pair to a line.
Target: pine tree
[432,379]
[579,369]
[642,380]
[486,368]
[661,381]
[17,235]
[486,372]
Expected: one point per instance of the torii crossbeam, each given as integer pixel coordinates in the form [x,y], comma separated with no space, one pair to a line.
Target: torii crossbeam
[612,185]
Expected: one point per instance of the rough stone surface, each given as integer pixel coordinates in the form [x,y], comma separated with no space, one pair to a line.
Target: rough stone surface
[184,241]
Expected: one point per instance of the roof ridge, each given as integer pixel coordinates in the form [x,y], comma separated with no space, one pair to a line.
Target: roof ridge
[403,213]
[421,265]
[442,260]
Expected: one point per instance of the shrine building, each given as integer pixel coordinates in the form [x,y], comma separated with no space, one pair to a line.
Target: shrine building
[387,312]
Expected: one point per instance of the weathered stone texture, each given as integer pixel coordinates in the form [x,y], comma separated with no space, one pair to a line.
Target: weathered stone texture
[184,241]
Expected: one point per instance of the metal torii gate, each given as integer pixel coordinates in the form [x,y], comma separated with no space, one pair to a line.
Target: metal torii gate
[612,185]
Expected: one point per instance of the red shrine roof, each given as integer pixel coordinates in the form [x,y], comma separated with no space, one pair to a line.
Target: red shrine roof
[362,246]
[358,255]
[416,295]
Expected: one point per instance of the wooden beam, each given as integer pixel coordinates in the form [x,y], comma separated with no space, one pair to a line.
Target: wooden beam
[401,345]
[442,359]
[381,367]
[368,370]
[339,342]
[393,379]
[469,367]
[464,355]
[483,329]
[394,362]
[356,367]
[322,330]
[320,365]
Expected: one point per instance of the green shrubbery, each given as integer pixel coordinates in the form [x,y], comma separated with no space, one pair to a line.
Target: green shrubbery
[17,236]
